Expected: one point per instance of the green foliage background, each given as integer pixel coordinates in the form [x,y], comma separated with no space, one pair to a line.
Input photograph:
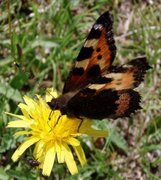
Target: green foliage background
[39,41]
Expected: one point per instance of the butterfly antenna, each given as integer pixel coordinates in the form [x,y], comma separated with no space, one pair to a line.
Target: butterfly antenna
[50,94]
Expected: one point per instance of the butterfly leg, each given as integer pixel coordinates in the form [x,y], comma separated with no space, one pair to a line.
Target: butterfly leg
[80,124]
[57,120]
[51,113]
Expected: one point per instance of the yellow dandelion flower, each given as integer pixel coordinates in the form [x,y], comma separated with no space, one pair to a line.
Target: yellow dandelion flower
[52,138]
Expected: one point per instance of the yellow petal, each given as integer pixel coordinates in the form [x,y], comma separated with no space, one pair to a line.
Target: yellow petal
[86,124]
[23,133]
[80,154]
[97,133]
[29,102]
[44,108]
[19,123]
[20,150]
[50,94]
[15,115]
[73,141]
[22,106]
[58,150]
[49,161]
[18,116]
[70,160]
[38,150]
[24,109]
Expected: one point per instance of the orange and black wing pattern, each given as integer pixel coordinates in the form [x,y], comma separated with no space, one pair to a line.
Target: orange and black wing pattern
[95,88]
[127,76]
[112,95]
[95,57]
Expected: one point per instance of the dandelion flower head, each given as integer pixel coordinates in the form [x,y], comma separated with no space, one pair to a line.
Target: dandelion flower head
[54,138]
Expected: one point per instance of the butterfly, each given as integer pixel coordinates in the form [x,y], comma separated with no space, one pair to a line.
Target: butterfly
[95,88]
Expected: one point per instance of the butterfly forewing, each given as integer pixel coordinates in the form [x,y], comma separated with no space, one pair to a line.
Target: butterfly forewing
[127,76]
[96,55]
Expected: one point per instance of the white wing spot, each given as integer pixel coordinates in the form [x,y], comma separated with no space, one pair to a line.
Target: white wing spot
[97,26]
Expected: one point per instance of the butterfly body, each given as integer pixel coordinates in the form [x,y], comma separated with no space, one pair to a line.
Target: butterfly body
[61,103]
[96,89]
[33,162]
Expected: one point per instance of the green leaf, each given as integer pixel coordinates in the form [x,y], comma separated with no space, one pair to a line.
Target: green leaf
[3,174]
[44,43]
[118,140]
[10,92]
[19,80]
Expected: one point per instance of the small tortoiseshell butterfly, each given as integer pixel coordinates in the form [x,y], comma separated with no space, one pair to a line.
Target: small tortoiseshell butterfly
[96,89]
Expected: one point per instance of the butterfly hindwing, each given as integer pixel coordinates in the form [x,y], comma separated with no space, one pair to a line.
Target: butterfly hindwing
[95,57]
[105,104]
